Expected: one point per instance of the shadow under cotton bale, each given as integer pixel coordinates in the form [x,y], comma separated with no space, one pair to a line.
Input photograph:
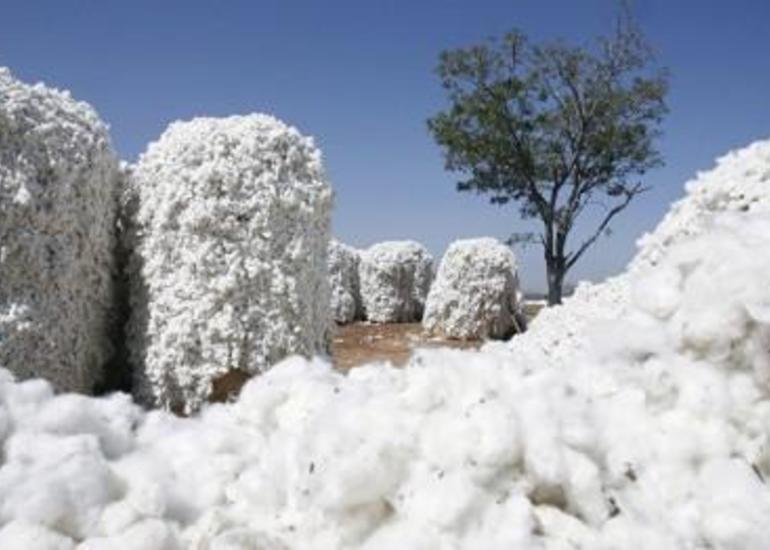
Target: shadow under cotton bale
[395,279]
[58,177]
[229,271]
[475,294]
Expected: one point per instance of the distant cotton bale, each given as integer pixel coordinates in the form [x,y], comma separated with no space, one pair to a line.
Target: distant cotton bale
[230,268]
[475,294]
[343,279]
[395,279]
[58,176]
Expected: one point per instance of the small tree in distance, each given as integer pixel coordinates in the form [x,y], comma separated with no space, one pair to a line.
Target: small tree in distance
[555,129]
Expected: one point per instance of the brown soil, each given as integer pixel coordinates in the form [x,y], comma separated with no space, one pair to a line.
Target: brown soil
[360,343]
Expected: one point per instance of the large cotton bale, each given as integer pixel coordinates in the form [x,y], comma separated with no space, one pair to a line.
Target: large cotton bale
[475,293]
[343,279]
[58,176]
[230,267]
[395,279]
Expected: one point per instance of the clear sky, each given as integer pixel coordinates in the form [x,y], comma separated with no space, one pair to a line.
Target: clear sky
[359,76]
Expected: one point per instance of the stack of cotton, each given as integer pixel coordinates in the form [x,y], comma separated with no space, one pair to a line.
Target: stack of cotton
[58,178]
[343,279]
[652,432]
[230,269]
[659,441]
[475,293]
[395,279]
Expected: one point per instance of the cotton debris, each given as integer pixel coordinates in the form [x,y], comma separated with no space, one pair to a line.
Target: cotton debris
[395,278]
[230,267]
[57,210]
[475,293]
[346,303]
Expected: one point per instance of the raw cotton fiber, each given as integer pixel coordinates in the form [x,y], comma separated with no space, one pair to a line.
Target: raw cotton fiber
[58,179]
[395,279]
[229,273]
[475,293]
[346,303]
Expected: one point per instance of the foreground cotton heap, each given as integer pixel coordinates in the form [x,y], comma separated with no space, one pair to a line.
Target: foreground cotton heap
[655,434]
[57,210]
[395,278]
[475,293]
[230,270]
[346,303]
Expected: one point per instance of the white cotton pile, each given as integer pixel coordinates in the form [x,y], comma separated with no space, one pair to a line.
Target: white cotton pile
[475,292]
[346,304]
[657,436]
[740,182]
[395,278]
[58,177]
[557,335]
[229,272]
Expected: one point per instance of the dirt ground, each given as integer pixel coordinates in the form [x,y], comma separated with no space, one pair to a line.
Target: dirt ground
[360,343]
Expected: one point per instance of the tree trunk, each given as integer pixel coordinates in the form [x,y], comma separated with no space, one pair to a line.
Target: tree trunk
[555,274]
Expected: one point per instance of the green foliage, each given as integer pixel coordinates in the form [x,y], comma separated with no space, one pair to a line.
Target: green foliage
[553,128]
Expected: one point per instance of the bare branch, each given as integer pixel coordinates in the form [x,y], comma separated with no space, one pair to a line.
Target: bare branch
[629,195]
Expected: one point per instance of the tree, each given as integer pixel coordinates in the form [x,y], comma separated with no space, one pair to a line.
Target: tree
[554,128]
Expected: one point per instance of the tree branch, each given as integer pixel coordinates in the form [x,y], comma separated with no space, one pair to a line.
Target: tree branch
[539,199]
[630,194]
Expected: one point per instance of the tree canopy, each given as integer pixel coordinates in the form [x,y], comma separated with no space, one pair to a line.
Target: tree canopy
[554,128]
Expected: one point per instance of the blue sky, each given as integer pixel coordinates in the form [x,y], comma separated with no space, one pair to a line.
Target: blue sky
[359,76]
